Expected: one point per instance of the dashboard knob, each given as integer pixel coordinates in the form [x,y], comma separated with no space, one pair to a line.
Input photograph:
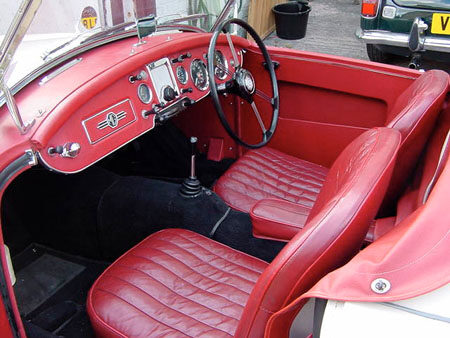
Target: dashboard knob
[71,149]
[169,93]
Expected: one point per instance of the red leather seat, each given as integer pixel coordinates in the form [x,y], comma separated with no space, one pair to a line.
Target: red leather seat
[174,283]
[178,283]
[268,173]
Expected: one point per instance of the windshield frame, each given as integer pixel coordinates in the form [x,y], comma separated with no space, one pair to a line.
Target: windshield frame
[112,34]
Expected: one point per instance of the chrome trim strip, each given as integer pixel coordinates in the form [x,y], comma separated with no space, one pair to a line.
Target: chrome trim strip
[26,160]
[431,43]
[183,19]
[112,131]
[332,63]
[58,71]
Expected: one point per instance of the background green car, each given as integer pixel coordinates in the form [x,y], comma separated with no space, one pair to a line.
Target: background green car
[410,28]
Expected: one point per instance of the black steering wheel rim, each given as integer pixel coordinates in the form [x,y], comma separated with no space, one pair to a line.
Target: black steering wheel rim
[275,102]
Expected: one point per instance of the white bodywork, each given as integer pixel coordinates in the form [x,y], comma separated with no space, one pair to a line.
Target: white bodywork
[424,316]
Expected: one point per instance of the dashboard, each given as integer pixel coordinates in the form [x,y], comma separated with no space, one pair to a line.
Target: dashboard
[149,94]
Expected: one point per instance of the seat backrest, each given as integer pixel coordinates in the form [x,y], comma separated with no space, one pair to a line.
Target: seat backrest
[432,163]
[348,201]
[414,114]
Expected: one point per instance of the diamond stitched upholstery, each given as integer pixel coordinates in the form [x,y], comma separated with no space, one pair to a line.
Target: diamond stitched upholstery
[174,283]
[269,173]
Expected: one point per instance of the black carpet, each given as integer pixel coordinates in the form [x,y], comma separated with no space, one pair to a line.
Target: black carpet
[41,279]
[55,210]
[60,283]
[134,207]
[164,153]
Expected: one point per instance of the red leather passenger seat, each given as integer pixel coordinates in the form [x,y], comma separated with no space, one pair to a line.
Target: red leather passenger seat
[177,283]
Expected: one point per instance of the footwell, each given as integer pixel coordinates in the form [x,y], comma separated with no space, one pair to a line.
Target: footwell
[51,291]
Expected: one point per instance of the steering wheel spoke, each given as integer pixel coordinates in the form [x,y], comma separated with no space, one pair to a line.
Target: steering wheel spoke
[224,69]
[258,117]
[264,96]
[233,50]
[242,83]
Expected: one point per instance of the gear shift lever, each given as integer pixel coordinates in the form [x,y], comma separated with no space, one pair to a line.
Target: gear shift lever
[191,186]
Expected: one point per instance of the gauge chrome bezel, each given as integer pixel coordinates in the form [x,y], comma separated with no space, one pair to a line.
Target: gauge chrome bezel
[185,72]
[203,88]
[225,73]
[149,90]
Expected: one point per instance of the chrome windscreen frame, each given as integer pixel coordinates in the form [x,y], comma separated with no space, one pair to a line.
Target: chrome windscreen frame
[168,26]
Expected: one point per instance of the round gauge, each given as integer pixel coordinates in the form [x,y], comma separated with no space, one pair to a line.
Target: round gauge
[220,65]
[144,93]
[182,75]
[199,74]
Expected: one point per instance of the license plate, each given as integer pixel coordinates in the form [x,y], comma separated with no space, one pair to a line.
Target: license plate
[440,23]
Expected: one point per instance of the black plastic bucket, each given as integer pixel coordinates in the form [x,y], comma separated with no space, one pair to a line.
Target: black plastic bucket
[291,19]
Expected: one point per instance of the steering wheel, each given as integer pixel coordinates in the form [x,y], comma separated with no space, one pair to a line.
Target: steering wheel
[242,83]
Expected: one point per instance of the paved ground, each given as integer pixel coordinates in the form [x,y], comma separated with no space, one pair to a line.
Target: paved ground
[331,30]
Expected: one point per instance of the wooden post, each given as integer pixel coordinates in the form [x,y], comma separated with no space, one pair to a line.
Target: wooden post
[260,16]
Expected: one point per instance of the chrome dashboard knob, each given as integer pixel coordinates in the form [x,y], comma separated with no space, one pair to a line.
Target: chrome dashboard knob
[71,149]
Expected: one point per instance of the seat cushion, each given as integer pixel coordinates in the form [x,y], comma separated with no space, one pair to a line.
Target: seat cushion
[269,173]
[174,283]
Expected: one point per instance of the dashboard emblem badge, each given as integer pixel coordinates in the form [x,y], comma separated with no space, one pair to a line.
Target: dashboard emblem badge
[112,120]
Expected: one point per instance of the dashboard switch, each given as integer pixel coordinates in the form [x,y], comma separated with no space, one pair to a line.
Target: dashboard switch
[182,57]
[169,93]
[186,90]
[139,77]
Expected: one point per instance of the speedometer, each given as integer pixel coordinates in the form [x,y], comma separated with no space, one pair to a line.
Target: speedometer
[199,74]
[220,65]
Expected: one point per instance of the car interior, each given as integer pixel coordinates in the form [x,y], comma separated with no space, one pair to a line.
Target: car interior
[186,211]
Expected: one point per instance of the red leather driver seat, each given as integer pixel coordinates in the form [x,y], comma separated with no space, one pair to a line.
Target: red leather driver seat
[267,173]
[178,283]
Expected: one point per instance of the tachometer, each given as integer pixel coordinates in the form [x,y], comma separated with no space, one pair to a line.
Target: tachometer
[182,75]
[220,65]
[199,74]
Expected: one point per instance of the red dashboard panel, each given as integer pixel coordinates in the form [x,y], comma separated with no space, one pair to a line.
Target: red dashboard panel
[130,106]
